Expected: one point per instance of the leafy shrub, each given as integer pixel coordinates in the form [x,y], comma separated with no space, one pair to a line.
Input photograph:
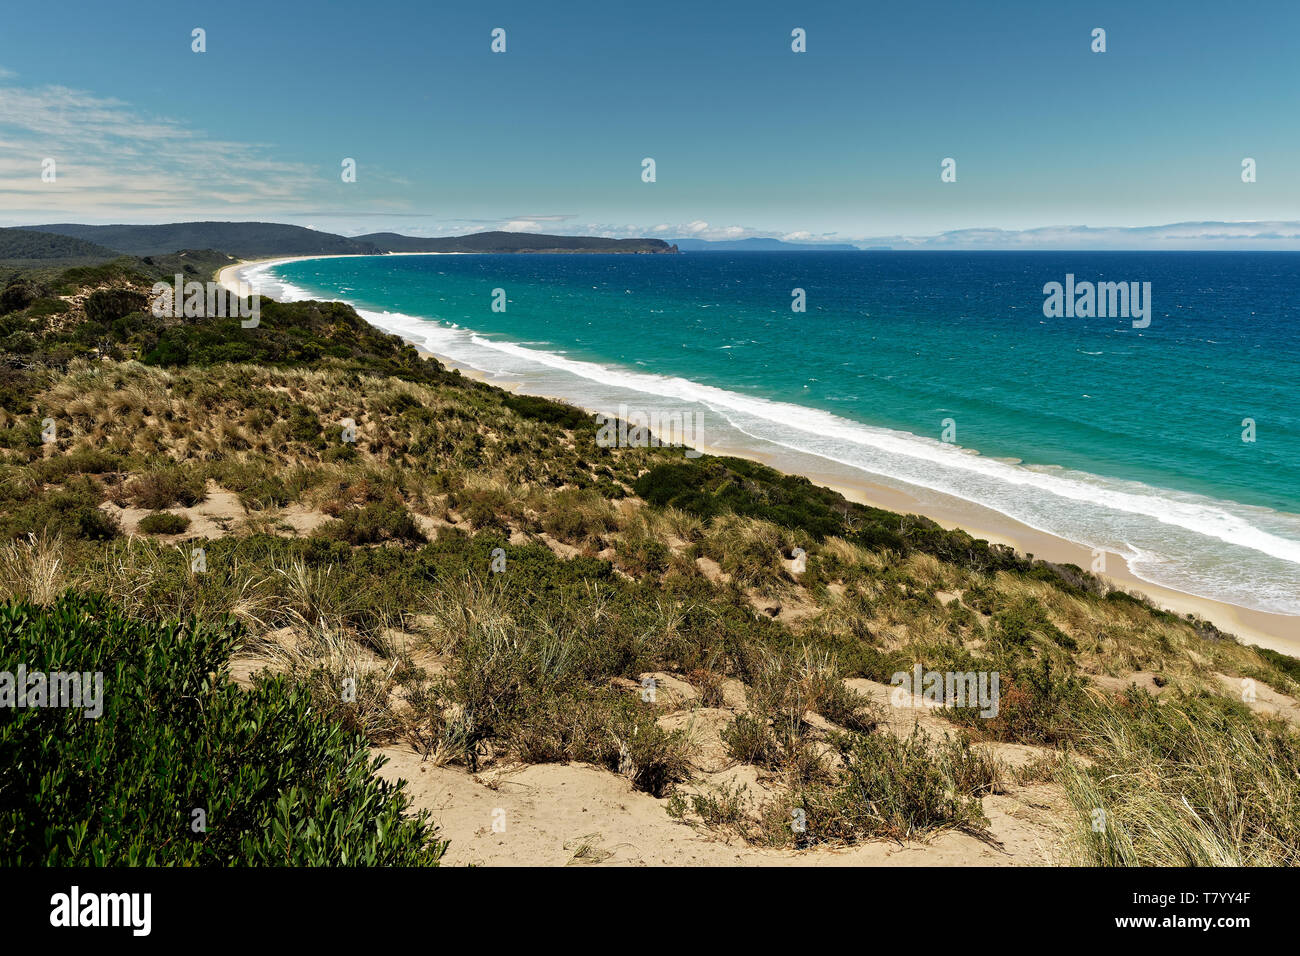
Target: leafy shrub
[886,787]
[303,424]
[71,511]
[105,305]
[164,522]
[83,461]
[17,294]
[547,410]
[167,488]
[1039,703]
[375,522]
[260,485]
[280,784]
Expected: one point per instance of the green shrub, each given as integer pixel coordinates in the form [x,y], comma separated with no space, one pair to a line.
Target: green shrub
[375,522]
[17,294]
[164,522]
[168,487]
[303,424]
[83,461]
[105,305]
[715,485]
[889,787]
[280,784]
[93,524]
[1039,703]
[547,410]
[71,511]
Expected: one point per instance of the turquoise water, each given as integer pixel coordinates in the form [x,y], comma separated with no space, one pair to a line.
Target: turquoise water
[1113,436]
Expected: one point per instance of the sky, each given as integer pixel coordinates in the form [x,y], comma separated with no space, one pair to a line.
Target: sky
[843,142]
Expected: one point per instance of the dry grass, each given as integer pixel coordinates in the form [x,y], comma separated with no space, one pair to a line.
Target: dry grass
[34,570]
[1192,784]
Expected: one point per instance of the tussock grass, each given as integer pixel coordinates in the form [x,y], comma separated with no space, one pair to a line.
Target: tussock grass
[750,550]
[152,580]
[896,788]
[1189,782]
[35,569]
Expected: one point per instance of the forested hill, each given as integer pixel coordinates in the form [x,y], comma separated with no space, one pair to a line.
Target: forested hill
[27,244]
[244,240]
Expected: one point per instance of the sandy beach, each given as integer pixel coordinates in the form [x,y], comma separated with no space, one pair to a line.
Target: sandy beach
[1277,632]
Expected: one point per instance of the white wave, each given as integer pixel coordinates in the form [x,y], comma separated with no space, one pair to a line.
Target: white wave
[1200,517]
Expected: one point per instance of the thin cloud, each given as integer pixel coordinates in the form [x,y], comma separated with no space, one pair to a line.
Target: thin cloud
[1281,235]
[112,161]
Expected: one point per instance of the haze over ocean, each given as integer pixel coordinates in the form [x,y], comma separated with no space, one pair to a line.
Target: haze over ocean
[1122,438]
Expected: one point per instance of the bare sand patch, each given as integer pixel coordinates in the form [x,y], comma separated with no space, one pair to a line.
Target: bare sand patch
[1261,698]
[576,814]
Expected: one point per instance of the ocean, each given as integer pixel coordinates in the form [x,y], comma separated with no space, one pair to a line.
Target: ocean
[936,373]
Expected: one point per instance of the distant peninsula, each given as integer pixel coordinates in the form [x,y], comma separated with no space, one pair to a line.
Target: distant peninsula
[759,244]
[254,240]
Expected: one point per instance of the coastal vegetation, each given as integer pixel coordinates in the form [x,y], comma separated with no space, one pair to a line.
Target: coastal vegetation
[28,245]
[182,768]
[310,528]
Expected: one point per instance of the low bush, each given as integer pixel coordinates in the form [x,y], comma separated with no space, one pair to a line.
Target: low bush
[886,786]
[167,487]
[375,523]
[277,783]
[164,522]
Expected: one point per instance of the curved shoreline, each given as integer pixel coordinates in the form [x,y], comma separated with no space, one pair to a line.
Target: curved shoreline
[1280,632]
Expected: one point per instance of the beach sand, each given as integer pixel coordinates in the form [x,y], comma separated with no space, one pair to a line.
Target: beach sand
[1279,632]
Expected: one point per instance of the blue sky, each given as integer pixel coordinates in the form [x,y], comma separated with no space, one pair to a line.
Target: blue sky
[842,142]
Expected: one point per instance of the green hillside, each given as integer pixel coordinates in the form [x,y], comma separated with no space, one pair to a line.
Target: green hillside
[31,246]
[244,240]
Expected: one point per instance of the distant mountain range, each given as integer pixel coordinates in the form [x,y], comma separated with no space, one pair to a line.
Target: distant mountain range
[759,245]
[252,240]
